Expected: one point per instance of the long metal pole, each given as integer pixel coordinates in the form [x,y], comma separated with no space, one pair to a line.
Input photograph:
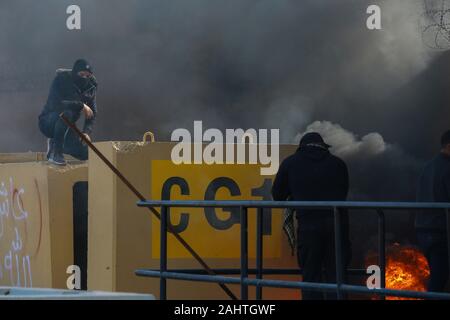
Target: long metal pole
[448,236]
[338,247]
[163,254]
[142,198]
[382,249]
[244,253]
[259,250]
[312,286]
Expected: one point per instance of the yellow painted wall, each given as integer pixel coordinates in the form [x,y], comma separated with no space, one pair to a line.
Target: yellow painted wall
[123,237]
[36,222]
[36,237]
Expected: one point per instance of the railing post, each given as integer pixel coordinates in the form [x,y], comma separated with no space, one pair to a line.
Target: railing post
[259,251]
[163,254]
[244,253]
[338,247]
[382,249]
[448,236]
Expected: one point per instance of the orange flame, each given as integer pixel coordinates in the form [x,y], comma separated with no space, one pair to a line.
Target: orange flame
[406,269]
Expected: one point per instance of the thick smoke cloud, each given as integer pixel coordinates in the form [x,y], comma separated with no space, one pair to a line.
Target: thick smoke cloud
[379,171]
[161,64]
[346,144]
[261,64]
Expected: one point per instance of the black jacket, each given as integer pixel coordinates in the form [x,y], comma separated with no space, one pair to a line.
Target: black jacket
[65,95]
[311,174]
[434,186]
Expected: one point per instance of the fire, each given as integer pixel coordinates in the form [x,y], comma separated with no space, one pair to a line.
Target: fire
[406,269]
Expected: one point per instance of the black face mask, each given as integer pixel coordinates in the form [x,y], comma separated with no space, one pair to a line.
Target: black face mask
[81,83]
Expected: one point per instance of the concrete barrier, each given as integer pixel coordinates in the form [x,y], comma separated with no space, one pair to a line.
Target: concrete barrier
[36,220]
[16,293]
[43,209]
[123,237]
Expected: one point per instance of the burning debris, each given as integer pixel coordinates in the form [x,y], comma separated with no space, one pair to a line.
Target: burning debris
[406,268]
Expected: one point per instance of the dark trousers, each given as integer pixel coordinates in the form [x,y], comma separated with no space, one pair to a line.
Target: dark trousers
[434,246]
[316,256]
[64,139]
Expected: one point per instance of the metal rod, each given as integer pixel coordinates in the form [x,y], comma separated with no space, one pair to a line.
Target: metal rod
[313,286]
[259,250]
[163,254]
[316,205]
[338,247]
[382,249]
[271,271]
[238,280]
[448,237]
[397,293]
[142,198]
[244,253]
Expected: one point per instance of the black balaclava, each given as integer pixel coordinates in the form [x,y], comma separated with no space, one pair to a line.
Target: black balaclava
[81,65]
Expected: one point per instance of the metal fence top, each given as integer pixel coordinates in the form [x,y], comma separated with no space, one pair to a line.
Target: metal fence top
[293,204]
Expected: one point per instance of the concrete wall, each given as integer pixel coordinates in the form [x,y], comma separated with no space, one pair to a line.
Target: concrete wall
[36,238]
[123,237]
[36,221]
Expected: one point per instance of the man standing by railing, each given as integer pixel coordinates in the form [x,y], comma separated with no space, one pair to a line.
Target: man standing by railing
[434,186]
[314,174]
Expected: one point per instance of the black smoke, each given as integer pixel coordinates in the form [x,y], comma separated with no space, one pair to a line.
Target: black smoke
[236,63]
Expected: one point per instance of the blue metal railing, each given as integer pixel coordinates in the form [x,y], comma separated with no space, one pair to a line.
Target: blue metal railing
[339,287]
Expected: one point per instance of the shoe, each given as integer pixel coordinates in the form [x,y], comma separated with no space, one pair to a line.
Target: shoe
[50,147]
[57,158]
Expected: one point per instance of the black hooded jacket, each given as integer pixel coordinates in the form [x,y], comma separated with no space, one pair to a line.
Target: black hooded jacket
[311,174]
[66,95]
[434,186]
